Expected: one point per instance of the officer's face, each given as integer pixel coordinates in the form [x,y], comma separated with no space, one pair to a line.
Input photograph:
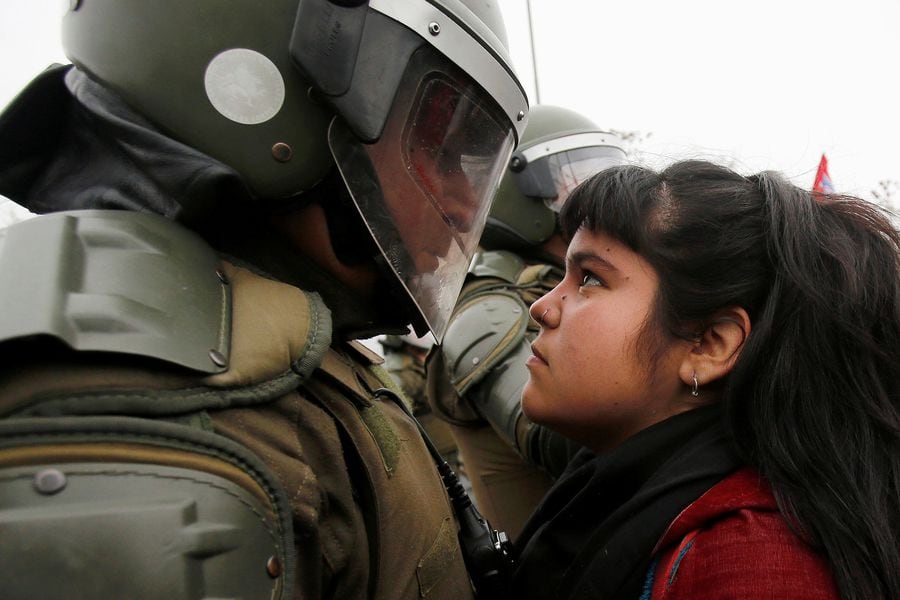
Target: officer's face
[587,378]
[307,228]
[424,187]
[429,196]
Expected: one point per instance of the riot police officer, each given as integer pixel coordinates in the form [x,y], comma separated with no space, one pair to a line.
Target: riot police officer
[230,193]
[476,378]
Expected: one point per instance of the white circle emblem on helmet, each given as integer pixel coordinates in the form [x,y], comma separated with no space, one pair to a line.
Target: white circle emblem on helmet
[244,86]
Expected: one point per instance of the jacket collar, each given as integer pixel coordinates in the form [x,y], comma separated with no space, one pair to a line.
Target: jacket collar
[745,489]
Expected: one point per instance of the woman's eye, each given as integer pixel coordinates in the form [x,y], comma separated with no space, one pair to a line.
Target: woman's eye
[591,280]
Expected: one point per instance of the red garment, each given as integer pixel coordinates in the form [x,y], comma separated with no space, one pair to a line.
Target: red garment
[732,543]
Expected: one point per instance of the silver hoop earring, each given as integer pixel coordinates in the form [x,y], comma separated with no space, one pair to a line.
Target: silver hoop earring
[543,314]
[695,391]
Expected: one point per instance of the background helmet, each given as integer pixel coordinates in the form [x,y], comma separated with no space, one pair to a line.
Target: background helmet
[415,101]
[559,149]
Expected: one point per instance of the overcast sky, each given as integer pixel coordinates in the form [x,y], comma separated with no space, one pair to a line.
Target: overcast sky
[768,84]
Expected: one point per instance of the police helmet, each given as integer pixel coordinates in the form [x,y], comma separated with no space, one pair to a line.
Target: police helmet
[560,148]
[414,101]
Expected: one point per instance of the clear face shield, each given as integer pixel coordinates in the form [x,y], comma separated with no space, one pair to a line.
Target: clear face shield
[424,188]
[554,176]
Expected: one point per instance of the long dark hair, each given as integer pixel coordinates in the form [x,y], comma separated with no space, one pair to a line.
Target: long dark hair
[812,402]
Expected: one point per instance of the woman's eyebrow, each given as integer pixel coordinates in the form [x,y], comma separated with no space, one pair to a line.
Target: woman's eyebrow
[586,256]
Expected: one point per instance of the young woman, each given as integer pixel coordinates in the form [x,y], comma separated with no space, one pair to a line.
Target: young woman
[728,348]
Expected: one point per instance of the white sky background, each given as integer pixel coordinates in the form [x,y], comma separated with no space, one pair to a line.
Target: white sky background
[769,84]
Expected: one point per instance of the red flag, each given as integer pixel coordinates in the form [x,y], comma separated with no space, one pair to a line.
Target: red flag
[823,183]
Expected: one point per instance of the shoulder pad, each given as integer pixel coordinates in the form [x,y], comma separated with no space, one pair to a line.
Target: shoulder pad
[497,263]
[115,494]
[482,331]
[280,336]
[116,281]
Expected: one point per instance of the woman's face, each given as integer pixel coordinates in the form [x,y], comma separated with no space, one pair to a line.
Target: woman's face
[589,380]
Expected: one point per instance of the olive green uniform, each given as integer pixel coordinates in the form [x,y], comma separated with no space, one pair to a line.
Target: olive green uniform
[406,365]
[313,411]
[170,432]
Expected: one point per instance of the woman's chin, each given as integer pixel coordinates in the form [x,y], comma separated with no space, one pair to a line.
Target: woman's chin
[531,406]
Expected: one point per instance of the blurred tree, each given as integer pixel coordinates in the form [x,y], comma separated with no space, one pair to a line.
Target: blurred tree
[887,194]
[632,140]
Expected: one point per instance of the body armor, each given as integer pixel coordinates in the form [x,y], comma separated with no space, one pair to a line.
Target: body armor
[104,442]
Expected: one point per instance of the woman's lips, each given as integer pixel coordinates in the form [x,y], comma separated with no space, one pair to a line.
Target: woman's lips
[536,356]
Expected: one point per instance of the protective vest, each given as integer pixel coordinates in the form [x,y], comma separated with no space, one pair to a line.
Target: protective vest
[172,425]
[478,373]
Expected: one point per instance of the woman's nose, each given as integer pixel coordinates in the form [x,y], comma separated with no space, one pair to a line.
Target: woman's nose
[540,310]
[546,310]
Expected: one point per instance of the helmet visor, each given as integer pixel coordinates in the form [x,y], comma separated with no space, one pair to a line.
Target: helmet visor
[424,188]
[553,177]
[569,169]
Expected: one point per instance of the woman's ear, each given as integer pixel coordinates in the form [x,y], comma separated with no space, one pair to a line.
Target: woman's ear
[717,347]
